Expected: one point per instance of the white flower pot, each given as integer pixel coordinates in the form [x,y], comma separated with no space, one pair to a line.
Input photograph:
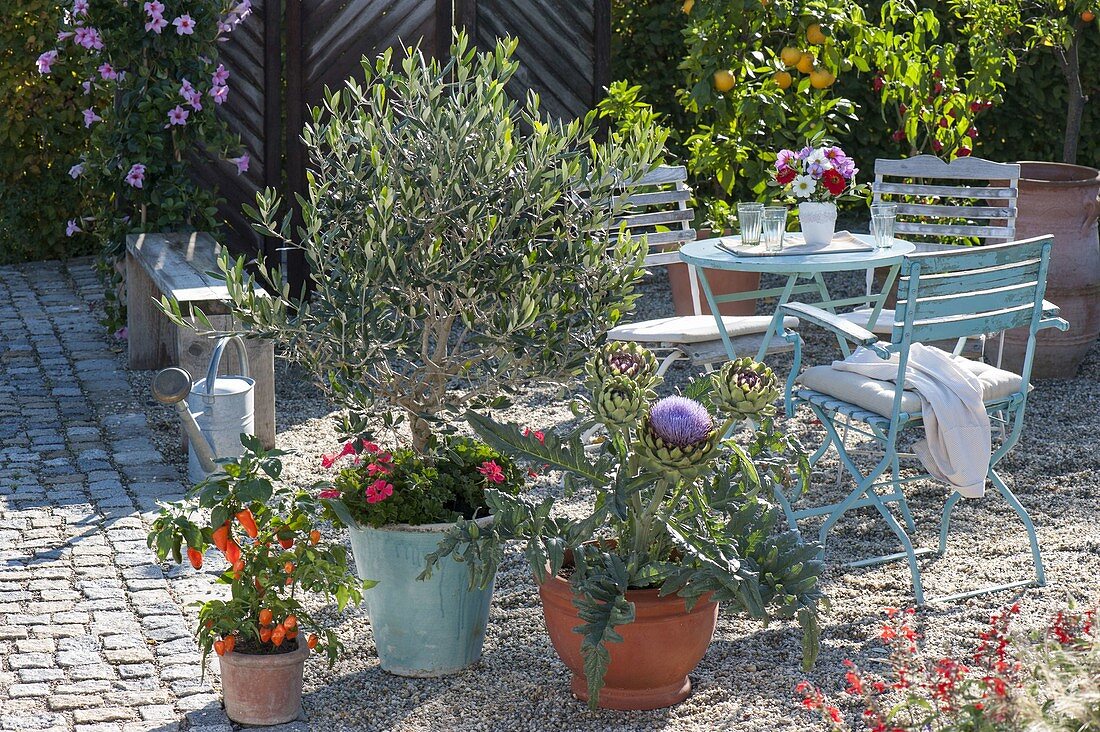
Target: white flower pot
[818,221]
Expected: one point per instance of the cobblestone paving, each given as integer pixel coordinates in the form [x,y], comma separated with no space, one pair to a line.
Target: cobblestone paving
[91,635]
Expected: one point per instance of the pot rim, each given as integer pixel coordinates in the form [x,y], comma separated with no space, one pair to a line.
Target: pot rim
[267,660]
[1089,175]
[438,528]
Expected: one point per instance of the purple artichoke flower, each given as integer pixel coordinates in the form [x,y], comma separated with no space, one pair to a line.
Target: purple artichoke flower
[680,422]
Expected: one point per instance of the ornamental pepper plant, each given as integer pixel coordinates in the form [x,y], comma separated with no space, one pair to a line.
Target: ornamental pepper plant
[151,85]
[679,506]
[376,487]
[270,553]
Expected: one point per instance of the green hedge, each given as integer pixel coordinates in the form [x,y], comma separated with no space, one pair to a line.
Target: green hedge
[648,47]
[40,125]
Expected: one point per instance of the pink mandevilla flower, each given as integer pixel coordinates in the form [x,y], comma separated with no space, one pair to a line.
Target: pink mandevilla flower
[45,61]
[107,72]
[492,472]
[76,171]
[220,94]
[136,176]
[221,75]
[71,227]
[185,26]
[379,490]
[156,24]
[91,117]
[80,7]
[154,8]
[178,116]
[64,35]
[242,166]
[88,38]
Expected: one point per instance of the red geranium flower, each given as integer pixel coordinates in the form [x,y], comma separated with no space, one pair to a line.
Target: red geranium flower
[379,490]
[785,176]
[492,472]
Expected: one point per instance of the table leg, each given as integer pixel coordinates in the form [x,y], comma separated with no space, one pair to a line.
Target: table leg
[827,304]
[776,326]
[716,313]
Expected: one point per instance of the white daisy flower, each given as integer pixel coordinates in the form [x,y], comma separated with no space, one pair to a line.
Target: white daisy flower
[804,186]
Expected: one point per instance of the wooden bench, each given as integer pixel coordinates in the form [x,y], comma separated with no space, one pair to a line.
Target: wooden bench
[176,265]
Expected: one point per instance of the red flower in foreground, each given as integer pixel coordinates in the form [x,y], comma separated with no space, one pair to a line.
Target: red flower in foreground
[492,472]
[785,176]
[539,435]
[327,461]
[329,494]
[379,490]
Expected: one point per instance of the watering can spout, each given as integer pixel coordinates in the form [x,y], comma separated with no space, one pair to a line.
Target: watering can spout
[171,386]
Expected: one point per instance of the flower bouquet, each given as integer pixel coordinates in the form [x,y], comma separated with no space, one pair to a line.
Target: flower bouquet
[816,177]
[680,522]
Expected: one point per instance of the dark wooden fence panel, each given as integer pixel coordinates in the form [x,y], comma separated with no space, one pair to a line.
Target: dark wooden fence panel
[283,56]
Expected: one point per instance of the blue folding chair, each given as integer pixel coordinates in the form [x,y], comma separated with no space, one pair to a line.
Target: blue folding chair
[942,296]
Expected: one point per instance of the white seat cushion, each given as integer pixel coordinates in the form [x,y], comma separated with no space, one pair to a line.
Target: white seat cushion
[693,328]
[883,326]
[878,396]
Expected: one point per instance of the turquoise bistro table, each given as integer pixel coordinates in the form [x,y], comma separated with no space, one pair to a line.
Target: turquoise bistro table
[804,273]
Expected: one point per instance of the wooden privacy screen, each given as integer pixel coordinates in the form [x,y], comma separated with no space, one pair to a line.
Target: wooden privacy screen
[281,59]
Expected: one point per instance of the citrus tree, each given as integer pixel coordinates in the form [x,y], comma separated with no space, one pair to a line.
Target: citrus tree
[760,77]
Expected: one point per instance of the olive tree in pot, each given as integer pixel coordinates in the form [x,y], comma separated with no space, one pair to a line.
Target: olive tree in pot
[274,555]
[460,246]
[680,522]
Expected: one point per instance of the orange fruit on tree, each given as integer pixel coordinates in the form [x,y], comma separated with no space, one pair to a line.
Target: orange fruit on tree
[265,635]
[783,79]
[278,635]
[289,567]
[1088,16]
[265,617]
[806,63]
[312,641]
[814,35]
[219,647]
[230,643]
[687,6]
[314,537]
[723,80]
[291,622]
[790,56]
[821,79]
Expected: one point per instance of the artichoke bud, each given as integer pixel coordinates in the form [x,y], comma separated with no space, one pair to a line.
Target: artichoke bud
[746,389]
[473,530]
[678,439]
[622,359]
[619,403]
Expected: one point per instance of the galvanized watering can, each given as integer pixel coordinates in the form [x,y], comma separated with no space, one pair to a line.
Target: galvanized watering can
[217,409]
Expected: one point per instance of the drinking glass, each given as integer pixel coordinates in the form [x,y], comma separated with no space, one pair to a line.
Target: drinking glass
[883,218]
[774,227]
[749,216]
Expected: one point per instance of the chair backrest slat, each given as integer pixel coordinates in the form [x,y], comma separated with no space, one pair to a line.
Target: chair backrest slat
[928,177]
[658,210]
[658,218]
[971,291]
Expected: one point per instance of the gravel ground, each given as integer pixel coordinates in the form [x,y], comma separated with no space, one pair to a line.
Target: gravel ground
[747,677]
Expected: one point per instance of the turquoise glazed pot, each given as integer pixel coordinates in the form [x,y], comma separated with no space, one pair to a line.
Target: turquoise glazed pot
[421,629]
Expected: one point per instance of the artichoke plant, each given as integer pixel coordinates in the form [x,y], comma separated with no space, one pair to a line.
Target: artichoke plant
[685,506]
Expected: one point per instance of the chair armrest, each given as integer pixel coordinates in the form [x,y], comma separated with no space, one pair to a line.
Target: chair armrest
[827,320]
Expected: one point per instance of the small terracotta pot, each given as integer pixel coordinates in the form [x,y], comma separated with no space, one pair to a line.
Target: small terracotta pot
[649,669]
[265,689]
[722,282]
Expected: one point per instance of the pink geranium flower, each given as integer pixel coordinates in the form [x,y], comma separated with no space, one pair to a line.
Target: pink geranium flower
[156,24]
[177,116]
[330,493]
[91,117]
[538,435]
[379,490]
[71,227]
[242,166]
[45,61]
[185,26]
[492,472]
[136,176]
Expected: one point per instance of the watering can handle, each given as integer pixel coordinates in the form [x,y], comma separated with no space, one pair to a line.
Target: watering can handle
[216,359]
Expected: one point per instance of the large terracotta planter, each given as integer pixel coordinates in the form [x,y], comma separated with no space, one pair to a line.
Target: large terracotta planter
[263,689]
[424,628]
[722,282]
[649,669]
[1061,199]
